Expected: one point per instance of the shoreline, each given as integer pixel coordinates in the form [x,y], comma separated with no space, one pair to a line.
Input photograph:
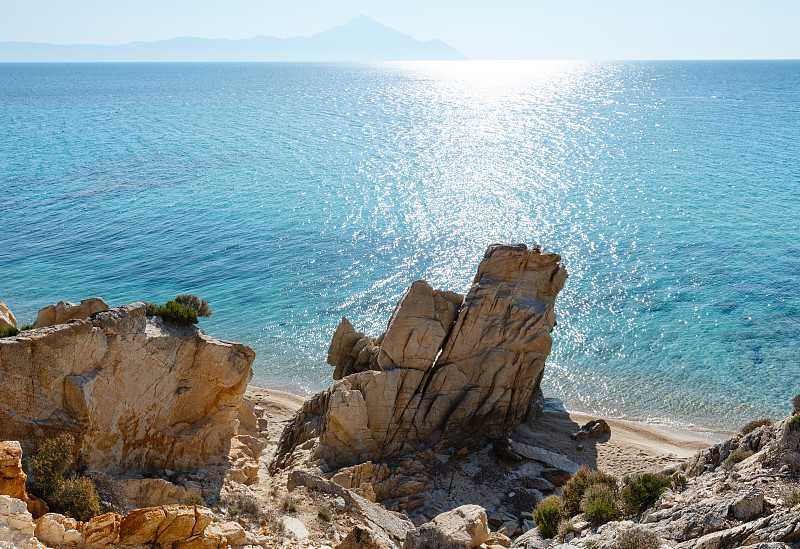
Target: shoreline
[632,447]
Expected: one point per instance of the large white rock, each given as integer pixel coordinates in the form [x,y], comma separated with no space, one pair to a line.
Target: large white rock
[16,525]
[465,524]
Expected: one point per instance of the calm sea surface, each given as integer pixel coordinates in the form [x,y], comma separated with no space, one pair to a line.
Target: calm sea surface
[290,195]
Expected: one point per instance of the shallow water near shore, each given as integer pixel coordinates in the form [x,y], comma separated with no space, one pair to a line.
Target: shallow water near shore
[290,195]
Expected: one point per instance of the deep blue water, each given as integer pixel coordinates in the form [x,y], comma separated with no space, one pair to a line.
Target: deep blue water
[289,195]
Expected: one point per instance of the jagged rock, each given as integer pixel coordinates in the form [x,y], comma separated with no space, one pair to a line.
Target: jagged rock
[7,318]
[163,525]
[16,525]
[12,478]
[139,394]
[101,531]
[430,379]
[64,311]
[748,506]
[531,539]
[548,458]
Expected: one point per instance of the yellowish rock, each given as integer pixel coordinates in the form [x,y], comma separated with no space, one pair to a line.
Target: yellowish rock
[7,318]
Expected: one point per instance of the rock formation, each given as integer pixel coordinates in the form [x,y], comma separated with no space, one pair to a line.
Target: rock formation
[138,394]
[16,525]
[7,318]
[446,368]
[64,311]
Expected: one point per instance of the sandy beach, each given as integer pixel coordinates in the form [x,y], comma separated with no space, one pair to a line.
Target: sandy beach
[630,448]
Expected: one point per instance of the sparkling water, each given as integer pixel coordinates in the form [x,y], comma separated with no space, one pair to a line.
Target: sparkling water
[290,195]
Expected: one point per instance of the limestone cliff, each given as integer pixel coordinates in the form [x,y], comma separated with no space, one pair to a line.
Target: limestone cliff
[138,394]
[447,368]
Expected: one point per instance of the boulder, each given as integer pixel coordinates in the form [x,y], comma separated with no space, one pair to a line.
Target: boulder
[295,527]
[57,530]
[64,311]
[16,525]
[361,537]
[445,370]
[139,394]
[152,492]
[232,532]
[166,525]
[747,506]
[7,318]
[466,524]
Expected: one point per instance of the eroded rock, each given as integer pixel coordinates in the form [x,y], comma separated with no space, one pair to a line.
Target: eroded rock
[16,525]
[444,369]
[137,393]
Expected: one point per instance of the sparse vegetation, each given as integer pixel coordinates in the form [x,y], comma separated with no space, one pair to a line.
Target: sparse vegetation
[641,491]
[324,512]
[26,327]
[637,538]
[735,457]
[11,331]
[574,489]
[193,498]
[600,505]
[678,481]
[49,465]
[794,423]
[184,310]
[548,515]
[566,526]
[242,505]
[793,499]
[290,504]
[755,424]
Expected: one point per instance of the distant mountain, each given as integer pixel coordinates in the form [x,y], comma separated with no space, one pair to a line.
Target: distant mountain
[362,39]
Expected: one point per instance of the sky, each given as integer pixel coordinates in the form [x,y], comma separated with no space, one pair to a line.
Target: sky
[497,29]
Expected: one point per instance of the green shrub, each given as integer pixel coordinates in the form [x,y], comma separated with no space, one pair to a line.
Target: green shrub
[678,481]
[599,505]
[641,491]
[325,513]
[79,498]
[27,327]
[755,424]
[184,310]
[735,457]
[573,490]
[637,538]
[794,423]
[193,498]
[49,465]
[548,514]
[11,331]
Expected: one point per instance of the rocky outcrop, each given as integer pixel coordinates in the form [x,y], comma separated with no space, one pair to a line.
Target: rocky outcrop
[7,318]
[446,369]
[16,525]
[12,477]
[64,311]
[138,394]
[166,526]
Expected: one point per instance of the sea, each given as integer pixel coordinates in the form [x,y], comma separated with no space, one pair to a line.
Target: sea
[292,195]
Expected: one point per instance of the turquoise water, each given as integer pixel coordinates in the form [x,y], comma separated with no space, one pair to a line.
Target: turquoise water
[290,195]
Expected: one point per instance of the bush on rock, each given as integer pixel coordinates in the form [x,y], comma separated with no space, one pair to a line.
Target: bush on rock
[184,310]
[548,514]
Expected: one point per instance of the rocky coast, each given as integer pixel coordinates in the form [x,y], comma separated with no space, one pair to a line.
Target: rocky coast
[433,434]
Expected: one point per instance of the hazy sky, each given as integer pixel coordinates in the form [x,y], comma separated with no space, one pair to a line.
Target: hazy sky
[497,29]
